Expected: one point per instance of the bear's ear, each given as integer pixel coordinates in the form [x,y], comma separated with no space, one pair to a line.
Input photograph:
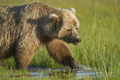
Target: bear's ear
[73,10]
[53,17]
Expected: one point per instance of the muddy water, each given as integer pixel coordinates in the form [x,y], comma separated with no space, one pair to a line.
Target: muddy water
[82,72]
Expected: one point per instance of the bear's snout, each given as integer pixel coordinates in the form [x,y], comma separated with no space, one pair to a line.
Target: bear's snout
[76,41]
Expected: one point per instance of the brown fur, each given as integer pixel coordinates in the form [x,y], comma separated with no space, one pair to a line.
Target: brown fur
[61,53]
[24,28]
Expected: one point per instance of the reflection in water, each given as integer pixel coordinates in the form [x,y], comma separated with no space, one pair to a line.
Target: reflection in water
[83,71]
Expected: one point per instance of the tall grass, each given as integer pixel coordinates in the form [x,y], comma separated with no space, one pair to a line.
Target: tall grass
[99,30]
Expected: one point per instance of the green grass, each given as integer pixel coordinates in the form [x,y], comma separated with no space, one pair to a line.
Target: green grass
[99,30]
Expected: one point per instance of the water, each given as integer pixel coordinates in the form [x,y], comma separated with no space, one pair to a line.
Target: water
[83,72]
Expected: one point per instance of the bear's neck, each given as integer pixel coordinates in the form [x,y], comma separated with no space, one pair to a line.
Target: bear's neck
[36,14]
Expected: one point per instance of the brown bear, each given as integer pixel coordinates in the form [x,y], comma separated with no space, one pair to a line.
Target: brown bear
[23,29]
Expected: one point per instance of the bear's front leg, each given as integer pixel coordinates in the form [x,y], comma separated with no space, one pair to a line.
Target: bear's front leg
[61,53]
[23,59]
[25,50]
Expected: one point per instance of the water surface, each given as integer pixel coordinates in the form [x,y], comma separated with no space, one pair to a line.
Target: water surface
[82,72]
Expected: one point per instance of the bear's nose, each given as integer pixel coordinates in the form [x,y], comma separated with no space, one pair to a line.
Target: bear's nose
[78,40]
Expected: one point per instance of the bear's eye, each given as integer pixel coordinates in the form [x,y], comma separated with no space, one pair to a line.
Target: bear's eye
[69,30]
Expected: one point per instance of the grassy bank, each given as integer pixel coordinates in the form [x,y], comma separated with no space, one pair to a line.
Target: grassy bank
[99,30]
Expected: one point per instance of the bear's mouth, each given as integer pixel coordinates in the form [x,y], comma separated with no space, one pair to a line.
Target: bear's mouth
[76,43]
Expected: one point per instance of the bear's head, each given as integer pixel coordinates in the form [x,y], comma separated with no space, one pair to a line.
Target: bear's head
[65,25]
